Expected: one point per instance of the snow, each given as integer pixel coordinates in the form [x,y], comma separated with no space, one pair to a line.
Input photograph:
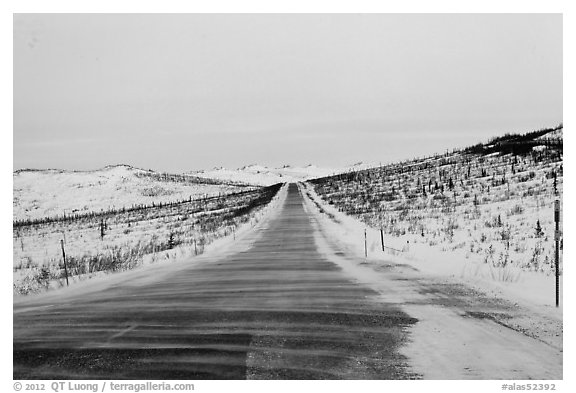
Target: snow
[439,345]
[556,134]
[442,342]
[534,290]
[265,176]
[54,192]
[181,256]
[51,192]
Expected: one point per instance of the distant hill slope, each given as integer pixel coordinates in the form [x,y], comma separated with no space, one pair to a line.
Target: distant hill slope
[47,193]
[520,144]
[264,176]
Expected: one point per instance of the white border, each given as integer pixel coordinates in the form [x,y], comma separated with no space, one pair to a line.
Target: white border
[309,6]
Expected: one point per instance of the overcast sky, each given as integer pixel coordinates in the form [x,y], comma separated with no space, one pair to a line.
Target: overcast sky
[186,92]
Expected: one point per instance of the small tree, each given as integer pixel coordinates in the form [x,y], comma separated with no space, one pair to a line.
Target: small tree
[171,242]
[539,231]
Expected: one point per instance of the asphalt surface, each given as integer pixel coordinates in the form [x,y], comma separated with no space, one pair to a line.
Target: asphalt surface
[279,310]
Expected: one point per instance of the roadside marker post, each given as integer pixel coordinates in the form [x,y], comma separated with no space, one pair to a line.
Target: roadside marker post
[382,238]
[557,254]
[365,245]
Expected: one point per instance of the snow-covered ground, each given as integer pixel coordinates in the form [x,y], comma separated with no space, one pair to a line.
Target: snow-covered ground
[128,239]
[49,193]
[152,265]
[478,215]
[533,290]
[517,328]
[554,135]
[52,192]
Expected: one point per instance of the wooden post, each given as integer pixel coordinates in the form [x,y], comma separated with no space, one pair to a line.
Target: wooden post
[64,258]
[365,245]
[382,238]
[195,249]
[557,253]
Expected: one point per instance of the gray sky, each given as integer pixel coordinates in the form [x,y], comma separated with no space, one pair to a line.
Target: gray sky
[184,92]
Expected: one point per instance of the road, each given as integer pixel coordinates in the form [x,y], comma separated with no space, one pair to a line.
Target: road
[280,308]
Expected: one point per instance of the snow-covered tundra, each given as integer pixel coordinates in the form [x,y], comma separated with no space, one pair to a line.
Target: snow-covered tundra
[485,213]
[119,218]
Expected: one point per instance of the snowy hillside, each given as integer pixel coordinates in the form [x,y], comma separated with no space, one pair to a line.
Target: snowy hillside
[262,175]
[492,202]
[47,193]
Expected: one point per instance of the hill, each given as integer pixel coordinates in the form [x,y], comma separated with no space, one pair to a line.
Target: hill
[52,192]
[491,204]
[265,176]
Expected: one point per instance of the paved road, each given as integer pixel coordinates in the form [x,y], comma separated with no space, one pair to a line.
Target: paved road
[279,310]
